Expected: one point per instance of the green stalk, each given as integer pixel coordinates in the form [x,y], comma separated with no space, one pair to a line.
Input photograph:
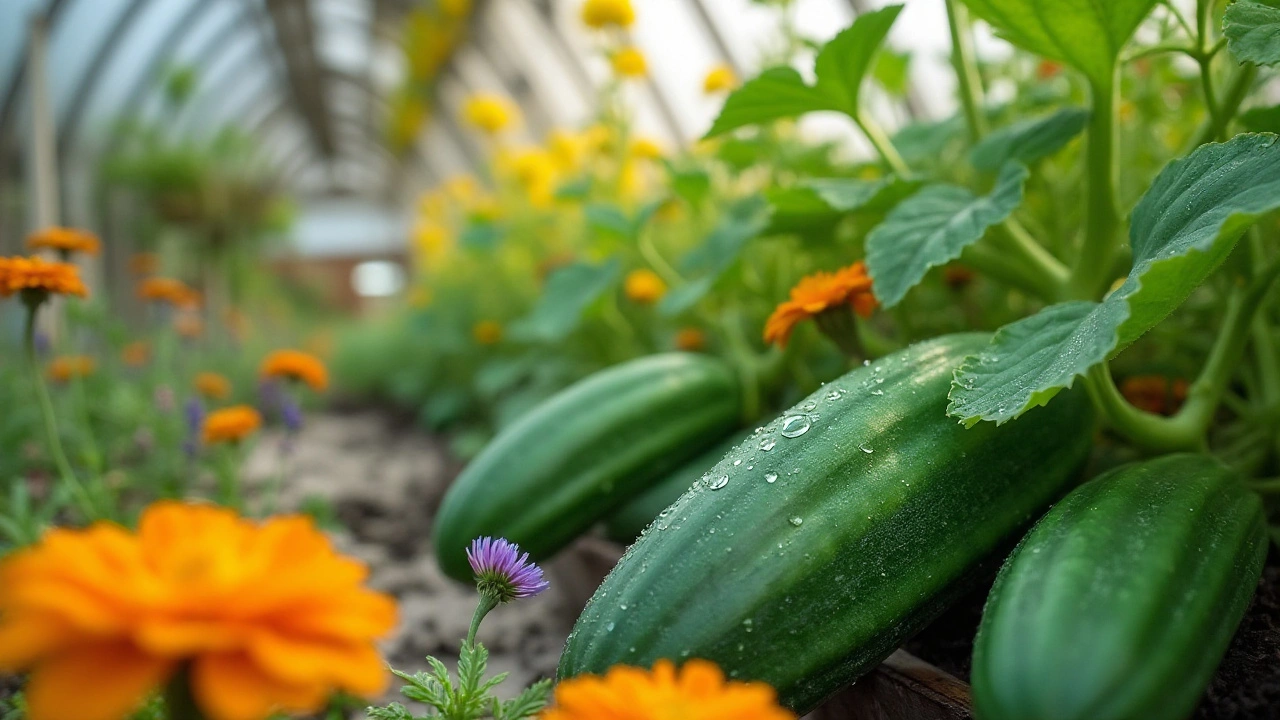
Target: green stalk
[881,142]
[1187,429]
[1090,274]
[67,475]
[1047,272]
[1008,271]
[1215,127]
[486,604]
[962,59]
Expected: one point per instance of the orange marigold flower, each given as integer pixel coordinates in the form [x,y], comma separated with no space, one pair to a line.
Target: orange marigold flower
[296,365]
[697,691]
[65,241]
[264,616]
[63,369]
[644,286]
[231,424]
[144,263]
[691,339]
[136,354]
[188,325]
[1155,393]
[1048,69]
[487,332]
[168,290]
[818,293]
[212,385]
[33,274]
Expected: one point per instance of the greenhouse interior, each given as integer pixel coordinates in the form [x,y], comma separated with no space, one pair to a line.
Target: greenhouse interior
[327,329]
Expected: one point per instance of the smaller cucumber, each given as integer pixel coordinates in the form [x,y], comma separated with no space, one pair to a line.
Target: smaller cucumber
[1121,601]
[631,519]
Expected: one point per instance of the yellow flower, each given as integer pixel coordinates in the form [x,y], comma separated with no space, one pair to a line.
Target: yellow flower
[263,617]
[535,170]
[719,79]
[818,293]
[646,149]
[431,239]
[136,354]
[487,332]
[34,275]
[691,339]
[600,14]
[212,385]
[697,691]
[463,188]
[629,62]
[489,113]
[231,424]
[65,241]
[456,8]
[62,369]
[566,149]
[168,290]
[598,138]
[644,286]
[296,365]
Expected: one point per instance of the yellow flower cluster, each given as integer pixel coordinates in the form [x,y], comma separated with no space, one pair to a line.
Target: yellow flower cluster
[256,618]
[628,62]
[601,14]
[489,113]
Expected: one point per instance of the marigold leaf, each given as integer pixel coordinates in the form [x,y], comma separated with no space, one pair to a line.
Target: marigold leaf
[1182,230]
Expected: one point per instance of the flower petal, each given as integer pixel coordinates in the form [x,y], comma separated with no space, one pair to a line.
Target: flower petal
[74,686]
[229,686]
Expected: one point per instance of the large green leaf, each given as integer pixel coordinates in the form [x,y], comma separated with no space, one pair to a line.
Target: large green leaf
[933,227]
[1253,31]
[1182,230]
[839,69]
[568,292]
[1085,34]
[1029,140]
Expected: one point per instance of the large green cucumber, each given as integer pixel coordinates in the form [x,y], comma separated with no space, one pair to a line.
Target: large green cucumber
[814,549]
[628,521]
[568,463]
[1121,601]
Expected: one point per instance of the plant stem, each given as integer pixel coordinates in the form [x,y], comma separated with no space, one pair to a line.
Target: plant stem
[1048,271]
[1187,429]
[1089,276]
[1000,267]
[486,604]
[747,364]
[1237,90]
[967,75]
[68,476]
[881,142]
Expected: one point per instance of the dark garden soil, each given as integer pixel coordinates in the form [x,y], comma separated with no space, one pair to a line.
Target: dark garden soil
[1246,686]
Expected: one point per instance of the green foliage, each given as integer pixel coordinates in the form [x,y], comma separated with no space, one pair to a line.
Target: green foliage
[1084,34]
[1252,29]
[470,698]
[933,227]
[1029,140]
[569,291]
[839,70]
[1181,231]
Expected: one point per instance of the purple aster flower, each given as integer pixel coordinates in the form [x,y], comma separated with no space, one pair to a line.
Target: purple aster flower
[193,410]
[502,572]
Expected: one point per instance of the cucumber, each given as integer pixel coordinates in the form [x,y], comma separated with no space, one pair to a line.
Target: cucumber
[1120,603]
[568,463]
[631,519]
[811,551]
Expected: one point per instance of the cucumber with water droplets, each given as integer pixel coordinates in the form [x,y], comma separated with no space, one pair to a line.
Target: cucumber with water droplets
[566,464]
[864,513]
[632,518]
[1121,601]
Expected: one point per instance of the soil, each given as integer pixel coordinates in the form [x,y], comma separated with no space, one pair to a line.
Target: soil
[1247,683]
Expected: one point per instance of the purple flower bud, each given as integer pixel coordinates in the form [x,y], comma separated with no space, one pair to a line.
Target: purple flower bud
[502,572]
[290,414]
[193,410]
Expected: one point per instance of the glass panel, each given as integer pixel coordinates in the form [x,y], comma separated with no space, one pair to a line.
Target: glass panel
[15,18]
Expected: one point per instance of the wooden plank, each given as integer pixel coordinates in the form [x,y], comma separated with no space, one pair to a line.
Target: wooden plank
[904,687]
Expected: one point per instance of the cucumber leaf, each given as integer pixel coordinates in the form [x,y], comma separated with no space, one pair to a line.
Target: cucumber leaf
[744,220]
[851,194]
[1088,35]
[568,292]
[933,227]
[839,69]
[1181,231]
[1029,140]
[1252,29]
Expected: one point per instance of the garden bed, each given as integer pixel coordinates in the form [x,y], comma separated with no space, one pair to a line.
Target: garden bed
[384,479]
